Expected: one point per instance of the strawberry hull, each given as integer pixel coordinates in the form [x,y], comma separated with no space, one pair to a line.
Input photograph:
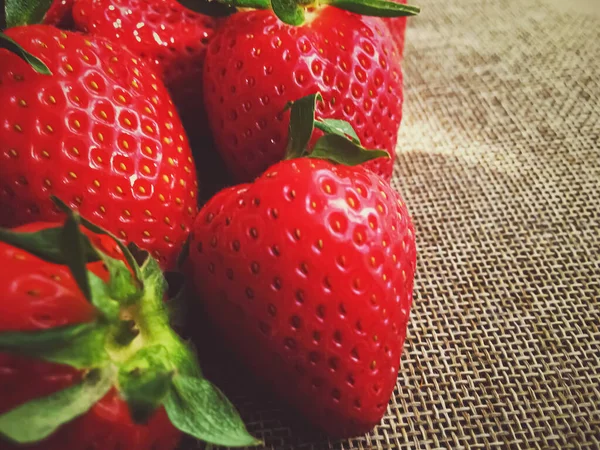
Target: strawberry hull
[38,295]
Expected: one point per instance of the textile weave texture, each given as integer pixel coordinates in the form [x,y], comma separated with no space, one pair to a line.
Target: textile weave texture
[499,162]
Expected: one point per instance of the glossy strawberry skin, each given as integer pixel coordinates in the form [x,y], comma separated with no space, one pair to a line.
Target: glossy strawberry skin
[170,37]
[40,295]
[397,27]
[59,14]
[101,133]
[308,273]
[256,64]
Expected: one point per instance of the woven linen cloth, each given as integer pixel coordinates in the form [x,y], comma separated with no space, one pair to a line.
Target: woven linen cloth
[499,162]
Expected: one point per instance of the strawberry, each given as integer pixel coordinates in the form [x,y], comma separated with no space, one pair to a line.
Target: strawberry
[308,273]
[100,132]
[170,37]
[256,63]
[59,14]
[91,343]
[397,27]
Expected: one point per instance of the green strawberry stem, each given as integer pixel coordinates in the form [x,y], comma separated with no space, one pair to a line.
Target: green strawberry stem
[254,4]
[130,346]
[339,144]
[378,8]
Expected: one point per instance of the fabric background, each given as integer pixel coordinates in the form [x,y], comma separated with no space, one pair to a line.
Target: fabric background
[499,162]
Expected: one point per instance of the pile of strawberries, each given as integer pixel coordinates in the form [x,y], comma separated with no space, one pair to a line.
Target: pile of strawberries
[249,147]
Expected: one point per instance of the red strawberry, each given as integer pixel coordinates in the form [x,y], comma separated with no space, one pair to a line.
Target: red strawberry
[130,370]
[397,27]
[59,14]
[308,272]
[102,133]
[256,64]
[40,295]
[170,37]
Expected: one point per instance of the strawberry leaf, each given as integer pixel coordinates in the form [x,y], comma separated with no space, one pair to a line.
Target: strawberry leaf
[121,284]
[223,7]
[341,150]
[288,11]
[128,256]
[379,8]
[196,407]
[102,298]
[25,12]
[58,245]
[10,45]
[79,346]
[153,318]
[145,380]
[39,418]
[155,286]
[98,230]
[73,245]
[302,120]
[335,126]
[44,244]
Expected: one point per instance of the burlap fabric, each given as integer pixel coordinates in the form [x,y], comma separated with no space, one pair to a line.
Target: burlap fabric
[499,161]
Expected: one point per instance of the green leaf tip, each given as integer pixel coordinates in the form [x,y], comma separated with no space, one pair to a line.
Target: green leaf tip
[80,346]
[73,245]
[224,7]
[10,45]
[37,419]
[98,230]
[341,150]
[67,245]
[339,144]
[302,122]
[26,12]
[377,8]
[43,243]
[288,11]
[195,406]
[292,12]
[335,126]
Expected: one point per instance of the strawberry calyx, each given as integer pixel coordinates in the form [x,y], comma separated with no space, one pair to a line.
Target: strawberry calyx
[339,144]
[293,12]
[129,346]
